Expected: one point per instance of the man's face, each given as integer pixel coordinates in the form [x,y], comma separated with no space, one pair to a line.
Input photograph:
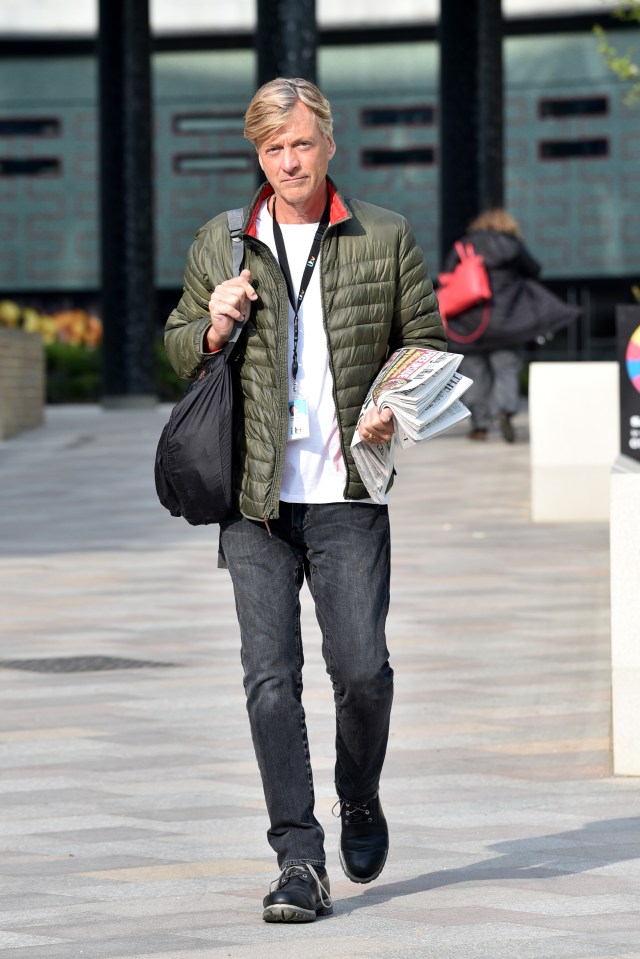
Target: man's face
[296,158]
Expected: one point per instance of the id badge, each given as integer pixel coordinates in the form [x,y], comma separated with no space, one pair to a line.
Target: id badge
[298,418]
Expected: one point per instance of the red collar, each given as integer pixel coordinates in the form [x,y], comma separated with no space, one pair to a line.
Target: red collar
[337,210]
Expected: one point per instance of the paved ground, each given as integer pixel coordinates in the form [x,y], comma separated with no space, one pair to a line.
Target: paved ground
[132,821]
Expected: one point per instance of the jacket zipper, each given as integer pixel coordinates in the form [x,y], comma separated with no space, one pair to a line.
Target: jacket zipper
[332,368]
[271,504]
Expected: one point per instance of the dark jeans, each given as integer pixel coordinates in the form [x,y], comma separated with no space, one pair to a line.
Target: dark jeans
[343,549]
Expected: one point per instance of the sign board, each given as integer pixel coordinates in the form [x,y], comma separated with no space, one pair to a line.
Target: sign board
[628,330]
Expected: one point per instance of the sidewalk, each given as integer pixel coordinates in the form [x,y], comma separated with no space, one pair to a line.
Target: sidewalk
[132,817]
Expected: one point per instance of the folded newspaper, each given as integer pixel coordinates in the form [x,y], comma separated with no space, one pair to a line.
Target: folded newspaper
[422,388]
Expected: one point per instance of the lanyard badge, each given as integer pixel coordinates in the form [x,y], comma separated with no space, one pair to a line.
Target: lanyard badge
[298,418]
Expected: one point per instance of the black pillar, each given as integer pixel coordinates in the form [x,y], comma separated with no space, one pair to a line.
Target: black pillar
[126,203]
[286,39]
[471,113]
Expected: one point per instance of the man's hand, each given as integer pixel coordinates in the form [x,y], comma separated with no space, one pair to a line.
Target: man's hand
[230,302]
[376,426]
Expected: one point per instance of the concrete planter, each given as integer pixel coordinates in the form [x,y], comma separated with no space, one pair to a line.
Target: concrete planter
[574,419]
[22,381]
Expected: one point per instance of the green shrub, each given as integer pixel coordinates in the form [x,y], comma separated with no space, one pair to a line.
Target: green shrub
[168,384]
[74,374]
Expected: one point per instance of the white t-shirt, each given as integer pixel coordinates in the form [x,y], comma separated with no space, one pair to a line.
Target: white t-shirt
[314,470]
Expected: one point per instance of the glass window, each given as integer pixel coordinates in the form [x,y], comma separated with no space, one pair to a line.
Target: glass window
[199,123]
[408,156]
[29,127]
[564,149]
[213,163]
[574,107]
[33,166]
[397,116]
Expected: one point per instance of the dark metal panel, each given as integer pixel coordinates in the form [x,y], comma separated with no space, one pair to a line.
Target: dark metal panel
[471,113]
[126,202]
[286,39]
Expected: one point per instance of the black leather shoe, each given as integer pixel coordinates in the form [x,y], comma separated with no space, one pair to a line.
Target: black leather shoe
[299,894]
[364,842]
[506,427]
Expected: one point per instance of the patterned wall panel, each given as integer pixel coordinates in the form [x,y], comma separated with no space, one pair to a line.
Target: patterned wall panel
[571,177]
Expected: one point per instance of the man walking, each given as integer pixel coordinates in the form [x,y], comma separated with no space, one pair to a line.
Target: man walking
[330,287]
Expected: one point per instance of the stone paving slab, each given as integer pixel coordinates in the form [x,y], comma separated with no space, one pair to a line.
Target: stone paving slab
[131,816]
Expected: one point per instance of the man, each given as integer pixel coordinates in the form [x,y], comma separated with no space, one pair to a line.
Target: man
[330,287]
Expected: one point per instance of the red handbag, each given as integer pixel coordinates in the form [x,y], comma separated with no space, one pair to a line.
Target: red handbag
[465,287]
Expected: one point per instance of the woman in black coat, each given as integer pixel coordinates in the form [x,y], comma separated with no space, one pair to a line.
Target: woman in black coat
[520,309]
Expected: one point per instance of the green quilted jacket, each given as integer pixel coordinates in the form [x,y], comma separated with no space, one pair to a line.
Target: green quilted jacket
[376,297]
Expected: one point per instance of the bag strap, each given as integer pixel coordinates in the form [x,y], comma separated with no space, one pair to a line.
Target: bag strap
[464,251]
[479,331]
[235,219]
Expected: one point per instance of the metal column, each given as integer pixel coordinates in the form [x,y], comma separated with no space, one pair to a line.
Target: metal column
[471,113]
[126,203]
[286,39]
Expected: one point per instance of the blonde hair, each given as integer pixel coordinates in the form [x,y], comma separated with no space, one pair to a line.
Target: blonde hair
[271,106]
[498,220]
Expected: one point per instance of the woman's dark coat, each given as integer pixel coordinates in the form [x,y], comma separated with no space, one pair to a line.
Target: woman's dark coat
[521,308]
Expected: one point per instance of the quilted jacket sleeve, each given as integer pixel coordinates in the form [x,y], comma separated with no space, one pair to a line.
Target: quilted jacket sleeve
[187,324]
[416,319]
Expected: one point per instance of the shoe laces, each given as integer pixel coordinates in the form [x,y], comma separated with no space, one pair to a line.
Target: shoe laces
[354,812]
[290,872]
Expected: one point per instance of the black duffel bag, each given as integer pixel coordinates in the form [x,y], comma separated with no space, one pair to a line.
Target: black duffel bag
[193,459]
[193,466]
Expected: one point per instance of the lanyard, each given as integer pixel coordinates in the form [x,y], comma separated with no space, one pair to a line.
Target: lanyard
[296,302]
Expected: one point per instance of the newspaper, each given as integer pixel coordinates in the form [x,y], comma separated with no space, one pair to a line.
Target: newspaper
[422,388]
